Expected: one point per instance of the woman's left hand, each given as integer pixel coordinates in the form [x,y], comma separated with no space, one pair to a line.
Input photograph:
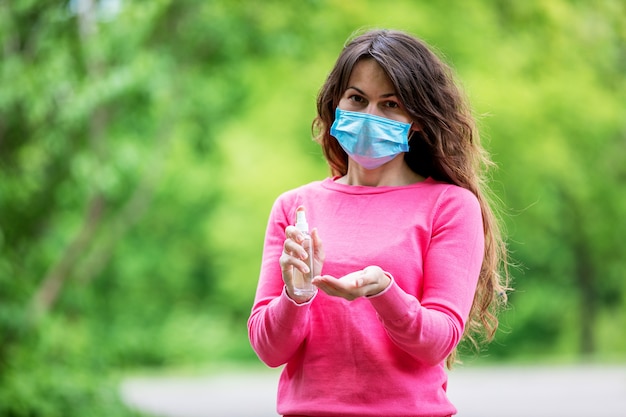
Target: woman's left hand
[369,281]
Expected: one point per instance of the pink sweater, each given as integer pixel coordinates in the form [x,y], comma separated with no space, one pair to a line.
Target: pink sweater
[381,355]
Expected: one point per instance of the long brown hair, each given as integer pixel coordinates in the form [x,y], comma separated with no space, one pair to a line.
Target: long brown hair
[447,148]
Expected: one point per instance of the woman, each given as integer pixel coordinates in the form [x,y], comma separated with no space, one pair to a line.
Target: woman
[407,252]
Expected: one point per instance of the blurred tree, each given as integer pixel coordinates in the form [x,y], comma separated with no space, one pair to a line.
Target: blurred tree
[560,140]
[103,104]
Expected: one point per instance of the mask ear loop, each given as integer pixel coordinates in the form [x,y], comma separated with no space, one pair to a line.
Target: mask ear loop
[415,127]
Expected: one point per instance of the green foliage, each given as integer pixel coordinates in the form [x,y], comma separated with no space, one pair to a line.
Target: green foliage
[55,373]
[140,153]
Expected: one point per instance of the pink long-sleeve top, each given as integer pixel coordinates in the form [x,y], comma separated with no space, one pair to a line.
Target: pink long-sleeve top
[382,355]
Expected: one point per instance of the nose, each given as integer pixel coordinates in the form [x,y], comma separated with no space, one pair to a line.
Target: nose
[373,110]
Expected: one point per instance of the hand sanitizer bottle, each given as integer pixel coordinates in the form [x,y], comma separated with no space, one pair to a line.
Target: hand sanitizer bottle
[302,282]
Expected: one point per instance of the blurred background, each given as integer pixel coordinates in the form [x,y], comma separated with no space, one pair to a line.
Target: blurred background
[142,145]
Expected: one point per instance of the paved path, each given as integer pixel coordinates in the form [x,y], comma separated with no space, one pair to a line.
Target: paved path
[502,391]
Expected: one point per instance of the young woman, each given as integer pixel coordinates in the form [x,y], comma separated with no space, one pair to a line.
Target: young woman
[408,258]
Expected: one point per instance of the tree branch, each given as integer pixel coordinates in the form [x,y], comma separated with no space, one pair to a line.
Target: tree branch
[57,274]
[52,283]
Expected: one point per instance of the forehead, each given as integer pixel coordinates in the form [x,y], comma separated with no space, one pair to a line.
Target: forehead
[367,74]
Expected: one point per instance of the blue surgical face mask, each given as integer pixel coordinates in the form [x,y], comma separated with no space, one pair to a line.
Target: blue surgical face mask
[369,140]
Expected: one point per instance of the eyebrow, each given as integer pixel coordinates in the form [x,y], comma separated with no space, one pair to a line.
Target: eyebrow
[363,93]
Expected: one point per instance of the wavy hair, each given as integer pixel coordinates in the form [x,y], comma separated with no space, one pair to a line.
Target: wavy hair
[447,148]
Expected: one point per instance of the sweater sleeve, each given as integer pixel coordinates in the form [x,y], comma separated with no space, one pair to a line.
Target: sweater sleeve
[430,327]
[277,325]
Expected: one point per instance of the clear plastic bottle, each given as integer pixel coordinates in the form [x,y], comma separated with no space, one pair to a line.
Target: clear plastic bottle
[302,282]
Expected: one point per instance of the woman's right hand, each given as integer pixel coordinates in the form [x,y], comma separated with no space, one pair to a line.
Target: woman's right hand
[294,256]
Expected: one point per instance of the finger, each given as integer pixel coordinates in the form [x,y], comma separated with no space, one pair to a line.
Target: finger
[287,261]
[335,287]
[286,268]
[333,291]
[325,283]
[317,244]
[291,232]
[294,249]
[351,286]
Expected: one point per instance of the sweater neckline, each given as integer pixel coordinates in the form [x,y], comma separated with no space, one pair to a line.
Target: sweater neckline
[331,183]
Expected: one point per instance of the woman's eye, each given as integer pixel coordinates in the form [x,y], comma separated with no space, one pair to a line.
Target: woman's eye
[392,104]
[356,99]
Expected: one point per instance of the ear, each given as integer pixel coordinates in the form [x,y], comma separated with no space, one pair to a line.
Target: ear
[415,127]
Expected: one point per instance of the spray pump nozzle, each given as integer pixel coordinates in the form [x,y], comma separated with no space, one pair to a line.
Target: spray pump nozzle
[301,223]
